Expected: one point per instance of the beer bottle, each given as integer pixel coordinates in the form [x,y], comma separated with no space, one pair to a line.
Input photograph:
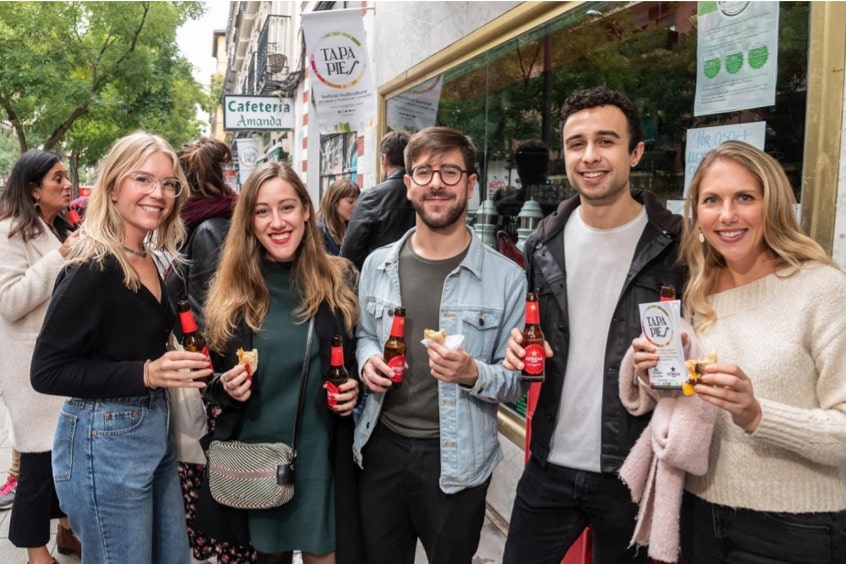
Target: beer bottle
[668,293]
[394,353]
[337,374]
[192,339]
[534,363]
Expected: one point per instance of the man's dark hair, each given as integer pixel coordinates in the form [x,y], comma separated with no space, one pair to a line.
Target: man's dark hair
[393,146]
[532,161]
[603,96]
[437,141]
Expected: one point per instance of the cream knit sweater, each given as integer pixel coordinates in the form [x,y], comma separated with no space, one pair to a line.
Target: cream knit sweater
[788,334]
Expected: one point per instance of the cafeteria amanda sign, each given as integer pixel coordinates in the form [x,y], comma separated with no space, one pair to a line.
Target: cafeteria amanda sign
[258,112]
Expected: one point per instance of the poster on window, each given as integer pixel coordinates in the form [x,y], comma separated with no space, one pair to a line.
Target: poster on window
[702,139]
[736,56]
[417,107]
[342,83]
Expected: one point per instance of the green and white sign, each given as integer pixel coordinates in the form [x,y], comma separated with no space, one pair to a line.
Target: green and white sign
[258,113]
[737,56]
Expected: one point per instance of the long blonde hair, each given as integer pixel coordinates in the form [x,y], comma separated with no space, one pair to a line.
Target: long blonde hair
[239,291]
[783,237]
[102,231]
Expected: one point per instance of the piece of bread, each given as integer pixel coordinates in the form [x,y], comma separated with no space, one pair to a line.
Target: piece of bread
[250,358]
[436,336]
[695,369]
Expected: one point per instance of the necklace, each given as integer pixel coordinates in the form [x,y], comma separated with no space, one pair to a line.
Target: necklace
[142,254]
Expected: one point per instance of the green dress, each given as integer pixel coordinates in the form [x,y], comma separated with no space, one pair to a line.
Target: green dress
[307,522]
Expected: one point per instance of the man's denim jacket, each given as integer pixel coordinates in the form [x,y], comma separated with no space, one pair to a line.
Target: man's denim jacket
[483,299]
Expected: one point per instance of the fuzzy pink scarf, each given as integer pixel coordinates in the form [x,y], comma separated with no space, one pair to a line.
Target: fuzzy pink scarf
[675,442]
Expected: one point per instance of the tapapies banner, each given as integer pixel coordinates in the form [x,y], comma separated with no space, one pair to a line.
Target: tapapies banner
[342,85]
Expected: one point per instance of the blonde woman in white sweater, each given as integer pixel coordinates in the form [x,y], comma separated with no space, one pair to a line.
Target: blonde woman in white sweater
[772,305]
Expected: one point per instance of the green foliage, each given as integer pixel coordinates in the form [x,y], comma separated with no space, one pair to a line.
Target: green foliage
[78,75]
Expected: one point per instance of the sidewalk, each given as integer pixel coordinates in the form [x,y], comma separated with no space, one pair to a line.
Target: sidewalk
[490,546]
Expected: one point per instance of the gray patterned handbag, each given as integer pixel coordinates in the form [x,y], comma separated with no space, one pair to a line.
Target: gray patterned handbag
[257,475]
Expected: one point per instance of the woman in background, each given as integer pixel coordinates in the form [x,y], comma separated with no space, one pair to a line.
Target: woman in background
[35,238]
[335,212]
[103,344]
[274,277]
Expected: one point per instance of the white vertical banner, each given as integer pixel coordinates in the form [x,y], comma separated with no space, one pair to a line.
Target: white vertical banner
[342,84]
[248,153]
[417,107]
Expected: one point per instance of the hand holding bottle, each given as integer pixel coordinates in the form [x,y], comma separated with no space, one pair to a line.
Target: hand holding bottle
[515,352]
[177,369]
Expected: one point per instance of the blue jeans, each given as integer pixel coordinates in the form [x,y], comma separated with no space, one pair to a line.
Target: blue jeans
[114,464]
[553,506]
[715,533]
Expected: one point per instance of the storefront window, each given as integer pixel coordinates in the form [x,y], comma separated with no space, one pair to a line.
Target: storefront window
[513,92]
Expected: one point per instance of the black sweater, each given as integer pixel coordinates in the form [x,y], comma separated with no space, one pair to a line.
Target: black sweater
[97,334]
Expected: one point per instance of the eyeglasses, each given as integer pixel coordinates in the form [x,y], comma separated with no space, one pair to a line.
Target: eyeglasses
[450,174]
[171,187]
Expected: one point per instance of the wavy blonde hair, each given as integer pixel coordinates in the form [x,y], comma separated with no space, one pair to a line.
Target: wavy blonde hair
[102,232]
[783,237]
[238,290]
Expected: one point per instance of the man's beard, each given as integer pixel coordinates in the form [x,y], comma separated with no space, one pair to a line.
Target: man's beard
[453,214]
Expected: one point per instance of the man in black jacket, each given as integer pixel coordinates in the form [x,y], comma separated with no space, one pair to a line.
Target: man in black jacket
[592,262]
[383,213]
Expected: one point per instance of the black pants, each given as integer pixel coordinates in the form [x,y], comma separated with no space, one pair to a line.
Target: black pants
[553,506]
[714,534]
[401,501]
[35,502]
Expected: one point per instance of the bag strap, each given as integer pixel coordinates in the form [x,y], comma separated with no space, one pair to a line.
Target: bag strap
[303,380]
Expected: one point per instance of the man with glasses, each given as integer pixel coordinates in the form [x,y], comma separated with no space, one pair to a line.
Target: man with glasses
[428,447]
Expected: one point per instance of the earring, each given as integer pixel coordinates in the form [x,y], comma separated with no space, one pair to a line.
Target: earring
[701,237]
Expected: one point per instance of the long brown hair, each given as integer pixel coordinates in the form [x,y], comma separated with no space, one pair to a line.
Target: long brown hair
[16,200]
[203,162]
[239,291]
[328,212]
[783,237]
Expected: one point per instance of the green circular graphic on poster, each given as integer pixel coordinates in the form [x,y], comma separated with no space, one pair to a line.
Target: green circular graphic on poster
[734,63]
[711,68]
[758,56]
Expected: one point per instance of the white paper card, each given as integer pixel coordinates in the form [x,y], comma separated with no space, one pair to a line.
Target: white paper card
[661,324]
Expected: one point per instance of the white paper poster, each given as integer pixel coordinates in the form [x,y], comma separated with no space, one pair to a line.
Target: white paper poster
[342,84]
[417,107]
[737,56]
[249,151]
[703,139]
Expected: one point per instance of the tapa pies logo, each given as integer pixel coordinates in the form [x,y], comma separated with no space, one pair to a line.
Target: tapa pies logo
[338,60]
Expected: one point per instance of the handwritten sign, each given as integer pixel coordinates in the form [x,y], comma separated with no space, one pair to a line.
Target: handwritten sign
[703,139]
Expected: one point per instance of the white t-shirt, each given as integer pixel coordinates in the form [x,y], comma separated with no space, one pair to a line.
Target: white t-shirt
[597,261]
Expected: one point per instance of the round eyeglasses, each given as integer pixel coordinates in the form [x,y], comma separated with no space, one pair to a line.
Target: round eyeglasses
[450,174]
[146,183]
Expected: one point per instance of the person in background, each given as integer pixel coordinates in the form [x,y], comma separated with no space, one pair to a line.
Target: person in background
[335,212]
[383,213]
[206,214]
[428,447]
[35,238]
[591,262]
[274,276]
[103,344]
[769,302]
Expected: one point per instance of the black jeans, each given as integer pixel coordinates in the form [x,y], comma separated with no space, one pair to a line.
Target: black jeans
[401,501]
[35,502]
[715,533]
[554,505]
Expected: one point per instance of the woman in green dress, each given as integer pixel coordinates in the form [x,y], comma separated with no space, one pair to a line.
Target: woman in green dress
[274,276]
